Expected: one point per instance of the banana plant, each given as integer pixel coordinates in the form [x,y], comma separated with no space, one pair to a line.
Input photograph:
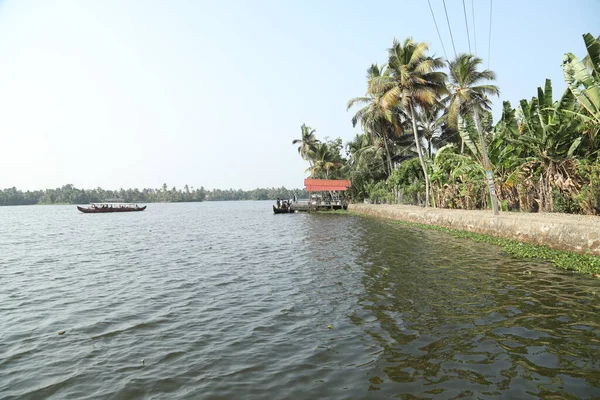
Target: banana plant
[584,81]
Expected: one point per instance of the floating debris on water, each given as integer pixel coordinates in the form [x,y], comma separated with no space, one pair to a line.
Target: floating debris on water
[329,326]
[62,332]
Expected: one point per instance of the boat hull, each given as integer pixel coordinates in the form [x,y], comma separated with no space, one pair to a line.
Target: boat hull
[282,210]
[109,210]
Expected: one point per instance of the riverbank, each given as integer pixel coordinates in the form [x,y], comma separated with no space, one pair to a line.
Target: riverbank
[561,232]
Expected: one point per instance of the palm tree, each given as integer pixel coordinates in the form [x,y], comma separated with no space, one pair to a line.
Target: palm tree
[430,123]
[324,160]
[379,122]
[365,163]
[307,142]
[469,97]
[358,148]
[412,81]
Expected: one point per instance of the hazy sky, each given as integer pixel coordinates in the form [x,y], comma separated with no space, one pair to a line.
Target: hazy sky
[136,93]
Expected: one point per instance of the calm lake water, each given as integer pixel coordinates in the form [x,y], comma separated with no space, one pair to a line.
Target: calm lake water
[227,300]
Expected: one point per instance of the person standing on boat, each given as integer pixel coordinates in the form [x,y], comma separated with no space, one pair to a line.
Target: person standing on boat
[295,198]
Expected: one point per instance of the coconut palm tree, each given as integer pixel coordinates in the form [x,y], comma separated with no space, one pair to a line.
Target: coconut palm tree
[380,123]
[324,160]
[412,81]
[468,97]
[430,123]
[307,142]
[359,149]
[365,164]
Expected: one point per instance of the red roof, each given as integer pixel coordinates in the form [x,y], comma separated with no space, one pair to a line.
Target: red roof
[323,185]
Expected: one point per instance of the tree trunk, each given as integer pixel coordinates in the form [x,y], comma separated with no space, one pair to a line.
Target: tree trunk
[389,157]
[420,153]
[486,164]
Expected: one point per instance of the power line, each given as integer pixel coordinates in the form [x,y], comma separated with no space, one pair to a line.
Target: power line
[467,25]
[449,28]
[474,34]
[490,36]
[438,31]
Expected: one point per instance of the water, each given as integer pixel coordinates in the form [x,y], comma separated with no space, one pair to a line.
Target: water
[227,300]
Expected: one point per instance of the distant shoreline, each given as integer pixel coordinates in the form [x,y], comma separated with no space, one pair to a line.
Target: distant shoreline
[69,194]
[144,202]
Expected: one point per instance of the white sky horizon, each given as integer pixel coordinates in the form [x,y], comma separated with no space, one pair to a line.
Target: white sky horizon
[134,94]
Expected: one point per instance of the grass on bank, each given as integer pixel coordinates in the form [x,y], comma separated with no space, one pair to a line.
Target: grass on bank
[563,259]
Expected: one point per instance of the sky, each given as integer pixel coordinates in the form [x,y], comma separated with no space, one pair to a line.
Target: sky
[120,94]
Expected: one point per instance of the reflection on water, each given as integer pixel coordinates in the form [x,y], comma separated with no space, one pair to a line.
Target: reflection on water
[227,300]
[452,325]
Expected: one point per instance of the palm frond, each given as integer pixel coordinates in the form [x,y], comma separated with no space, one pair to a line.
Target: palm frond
[357,100]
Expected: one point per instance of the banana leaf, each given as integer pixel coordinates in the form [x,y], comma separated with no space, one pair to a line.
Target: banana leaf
[577,74]
[464,134]
[593,48]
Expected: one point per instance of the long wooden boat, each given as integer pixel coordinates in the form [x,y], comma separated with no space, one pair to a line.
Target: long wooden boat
[287,210]
[110,208]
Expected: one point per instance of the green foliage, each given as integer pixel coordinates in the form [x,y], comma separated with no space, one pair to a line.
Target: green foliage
[409,182]
[365,165]
[324,158]
[583,82]
[381,124]
[68,194]
[256,194]
[306,142]
[468,133]
[413,83]
[379,193]
[544,154]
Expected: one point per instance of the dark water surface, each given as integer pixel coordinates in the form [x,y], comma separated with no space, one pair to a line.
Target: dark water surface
[227,300]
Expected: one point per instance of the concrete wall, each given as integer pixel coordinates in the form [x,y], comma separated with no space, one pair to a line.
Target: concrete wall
[579,233]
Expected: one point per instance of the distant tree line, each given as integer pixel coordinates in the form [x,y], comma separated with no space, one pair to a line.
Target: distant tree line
[69,194]
[256,194]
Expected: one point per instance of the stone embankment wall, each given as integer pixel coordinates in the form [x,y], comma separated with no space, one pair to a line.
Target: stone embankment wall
[579,233]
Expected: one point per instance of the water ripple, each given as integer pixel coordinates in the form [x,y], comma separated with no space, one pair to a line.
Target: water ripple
[227,300]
